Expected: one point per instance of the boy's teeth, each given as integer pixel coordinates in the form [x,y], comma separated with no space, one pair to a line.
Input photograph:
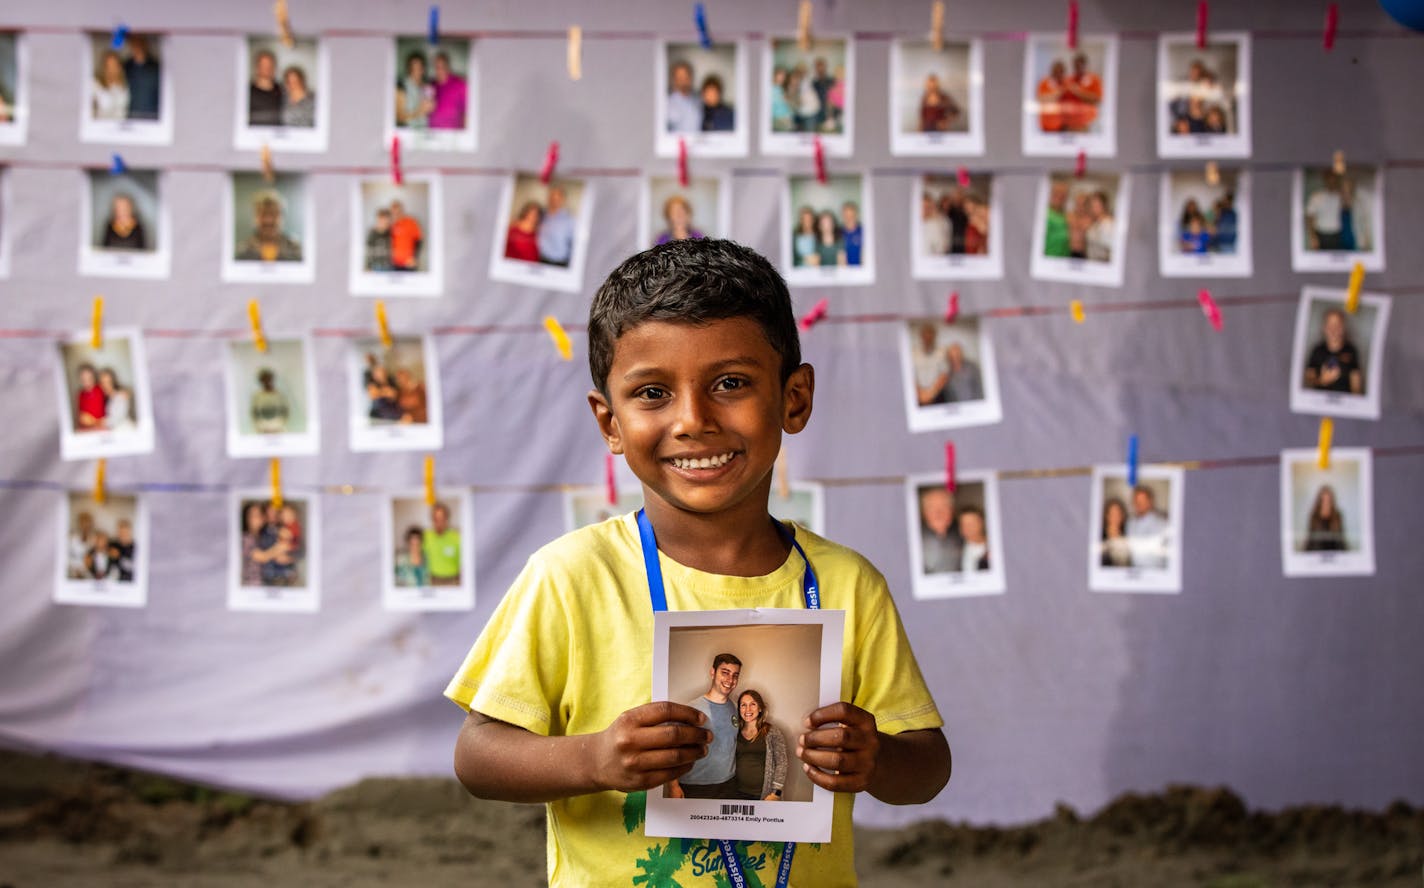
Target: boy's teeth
[706,462]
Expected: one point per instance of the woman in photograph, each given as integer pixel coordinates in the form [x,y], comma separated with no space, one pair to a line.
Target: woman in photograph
[91,403]
[522,240]
[123,230]
[80,540]
[677,213]
[802,90]
[803,239]
[716,116]
[976,229]
[254,523]
[410,398]
[780,105]
[938,110]
[830,249]
[118,404]
[1115,550]
[381,392]
[299,103]
[934,226]
[1100,228]
[414,95]
[761,757]
[411,569]
[111,89]
[976,544]
[1325,531]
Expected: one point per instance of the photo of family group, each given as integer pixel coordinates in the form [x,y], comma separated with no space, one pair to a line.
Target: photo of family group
[1327,515]
[271,399]
[829,239]
[269,229]
[1338,356]
[433,96]
[955,547]
[755,674]
[672,212]
[811,93]
[394,394]
[275,558]
[803,504]
[1337,218]
[936,98]
[123,225]
[127,97]
[1070,96]
[1204,96]
[1081,228]
[281,94]
[1135,537]
[105,408]
[956,229]
[397,241]
[1204,228]
[427,559]
[14,104]
[103,558]
[701,99]
[949,374]
[544,240]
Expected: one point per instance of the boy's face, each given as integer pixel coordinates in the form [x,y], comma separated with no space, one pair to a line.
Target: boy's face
[698,411]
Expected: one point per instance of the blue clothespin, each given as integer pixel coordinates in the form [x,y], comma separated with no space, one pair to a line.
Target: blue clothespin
[117,166]
[432,35]
[121,34]
[1131,460]
[699,15]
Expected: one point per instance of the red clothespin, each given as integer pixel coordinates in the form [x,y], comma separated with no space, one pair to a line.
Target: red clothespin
[1080,166]
[1332,21]
[962,175]
[951,309]
[818,152]
[815,315]
[1203,11]
[551,160]
[949,466]
[682,162]
[1072,24]
[610,479]
[1210,309]
[396,175]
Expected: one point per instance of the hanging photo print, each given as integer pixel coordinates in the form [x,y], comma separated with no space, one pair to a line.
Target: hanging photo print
[434,95]
[702,100]
[1204,96]
[271,399]
[1070,96]
[275,558]
[936,98]
[542,238]
[127,94]
[1204,227]
[104,404]
[829,235]
[1081,228]
[269,233]
[1327,515]
[282,94]
[1135,537]
[14,86]
[809,93]
[103,550]
[123,224]
[427,552]
[394,394]
[956,549]
[1337,363]
[397,236]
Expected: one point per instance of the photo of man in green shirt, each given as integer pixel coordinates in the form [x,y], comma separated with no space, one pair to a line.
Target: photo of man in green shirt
[442,548]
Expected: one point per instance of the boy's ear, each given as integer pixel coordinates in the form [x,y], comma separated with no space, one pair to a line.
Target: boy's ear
[607,422]
[796,398]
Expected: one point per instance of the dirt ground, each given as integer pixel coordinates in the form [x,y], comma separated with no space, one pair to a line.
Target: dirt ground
[65,823]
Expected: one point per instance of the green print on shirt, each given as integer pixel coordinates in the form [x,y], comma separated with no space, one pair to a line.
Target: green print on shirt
[659,866]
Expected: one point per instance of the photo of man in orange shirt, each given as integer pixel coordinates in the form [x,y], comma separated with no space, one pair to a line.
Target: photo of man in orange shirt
[406,239]
[1083,92]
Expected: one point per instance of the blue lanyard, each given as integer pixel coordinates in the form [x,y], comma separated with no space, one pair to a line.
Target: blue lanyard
[810,591]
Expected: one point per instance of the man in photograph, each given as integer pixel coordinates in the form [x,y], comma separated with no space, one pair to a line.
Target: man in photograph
[931,367]
[966,383]
[406,238]
[714,776]
[264,95]
[141,72]
[1323,214]
[269,407]
[1051,91]
[941,545]
[1055,229]
[1082,93]
[556,232]
[1147,530]
[935,227]
[268,243]
[684,110]
[442,548]
[852,233]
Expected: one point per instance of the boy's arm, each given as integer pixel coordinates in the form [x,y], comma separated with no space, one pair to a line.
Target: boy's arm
[909,768]
[644,747]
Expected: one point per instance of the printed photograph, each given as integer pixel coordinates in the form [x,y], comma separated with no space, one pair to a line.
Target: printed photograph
[936,98]
[811,93]
[672,212]
[1205,227]
[950,377]
[955,547]
[127,94]
[394,394]
[1135,542]
[1337,219]
[281,94]
[270,230]
[1081,228]
[103,550]
[1327,515]
[124,225]
[829,236]
[271,399]
[956,229]
[1204,95]
[104,396]
[434,89]
[14,77]
[543,242]
[1070,96]
[702,99]
[428,553]
[275,559]
[1338,357]
[397,240]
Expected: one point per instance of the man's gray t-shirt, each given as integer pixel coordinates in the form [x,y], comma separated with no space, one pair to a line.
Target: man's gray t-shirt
[720,763]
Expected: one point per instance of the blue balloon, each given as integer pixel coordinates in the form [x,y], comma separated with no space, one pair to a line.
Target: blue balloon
[1409,13]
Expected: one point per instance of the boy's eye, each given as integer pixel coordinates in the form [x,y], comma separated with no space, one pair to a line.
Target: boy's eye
[730,383]
[650,393]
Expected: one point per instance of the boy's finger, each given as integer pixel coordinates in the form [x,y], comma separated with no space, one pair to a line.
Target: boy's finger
[836,737]
[671,734]
[659,760]
[831,760]
[667,711]
[834,782]
[840,711]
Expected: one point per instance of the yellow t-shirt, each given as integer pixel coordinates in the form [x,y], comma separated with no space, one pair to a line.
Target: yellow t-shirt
[569,649]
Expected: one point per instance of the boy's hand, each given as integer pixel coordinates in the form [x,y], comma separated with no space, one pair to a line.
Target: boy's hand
[649,745]
[839,748]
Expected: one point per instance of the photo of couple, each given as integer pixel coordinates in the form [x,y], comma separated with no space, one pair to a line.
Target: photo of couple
[1338,218]
[700,99]
[949,374]
[1203,96]
[432,104]
[1338,356]
[810,94]
[428,557]
[544,240]
[1327,515]
[1070,96]
[126,91]
[103,553]
[271,399]
[936,98]
[267,225]
[124,225]
[280,96]
[397,241]
[104,406]
[954,536]
[275,552]
[952,228]
[394,400]
[1082,225]
[828,231]
[1205,226]
[1136,543]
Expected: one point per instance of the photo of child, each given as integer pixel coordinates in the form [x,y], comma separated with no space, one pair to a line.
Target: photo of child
[1337,218]
[103,396]
[1205,227]
[1136,534]
[544,241]
[1327,515]
[427,556]
[271,399]
[701,99]
[269,229]
[810,93]
[1070,96]
[1204,96]
[955,548]
[124,225]
[1082,228]
[936,98]
[955,229]
[103,550]
[397,242]
[275,558]
[127,96]
[828,234]
[433,100]
[394,394]
[281,94]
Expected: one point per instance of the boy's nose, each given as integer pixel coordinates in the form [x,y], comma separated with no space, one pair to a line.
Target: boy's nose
[694,416]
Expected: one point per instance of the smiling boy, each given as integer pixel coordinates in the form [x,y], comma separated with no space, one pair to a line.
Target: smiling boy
[697,372]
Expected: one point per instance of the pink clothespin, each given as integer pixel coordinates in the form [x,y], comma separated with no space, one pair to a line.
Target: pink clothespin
[395,160]
[1332,21]
[551,160]
[815,315]
[610,479]
[1080,166]
[1210,309]
[963,176]
[951,310]
[1072,24]
[682,162]
[1202,12]
[949,466]
[818,151]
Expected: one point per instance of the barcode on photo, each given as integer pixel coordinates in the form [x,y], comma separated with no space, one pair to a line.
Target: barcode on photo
[745,810]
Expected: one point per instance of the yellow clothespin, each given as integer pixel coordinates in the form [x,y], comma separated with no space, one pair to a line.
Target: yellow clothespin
[276,483]
[803,27]
[1076,306]
[382,324]
[430,480]
[1327,431]
[269,172]
[575,52]
[99,493]
[783,476]
[284,23]
[1352,295]
[254,315]
[561,339]
[937,25]
[96,324]
[1337,163]
[1213,174]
